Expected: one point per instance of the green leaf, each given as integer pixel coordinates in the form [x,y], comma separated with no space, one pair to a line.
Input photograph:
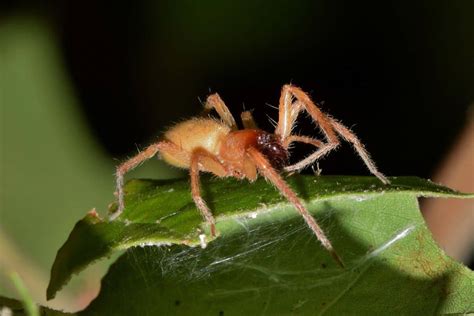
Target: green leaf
[14,307]
[266,260]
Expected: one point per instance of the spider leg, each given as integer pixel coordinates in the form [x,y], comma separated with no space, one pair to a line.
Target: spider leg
[307,140]
[272,175]
[289,111]
[322,151]
[201,159]
[248,120]
[214,101]
[302,139]
[287,116]
[132,163]
[350,137]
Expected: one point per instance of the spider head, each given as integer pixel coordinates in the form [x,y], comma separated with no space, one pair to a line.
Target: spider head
[271,147]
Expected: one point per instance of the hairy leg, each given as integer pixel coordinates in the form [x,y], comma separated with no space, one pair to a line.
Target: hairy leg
[289,111]
[269,173]
[202,159]
[214,101]
[247,120]
[349,136]
[322,151]
[135,161]
[328,125]
[302,139]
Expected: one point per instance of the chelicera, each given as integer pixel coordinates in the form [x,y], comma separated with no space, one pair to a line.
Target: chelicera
[205,144]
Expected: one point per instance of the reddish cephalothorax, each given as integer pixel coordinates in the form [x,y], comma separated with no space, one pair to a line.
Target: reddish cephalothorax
[205,144]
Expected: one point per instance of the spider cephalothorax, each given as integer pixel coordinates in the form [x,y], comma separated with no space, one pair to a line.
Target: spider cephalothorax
[217,146]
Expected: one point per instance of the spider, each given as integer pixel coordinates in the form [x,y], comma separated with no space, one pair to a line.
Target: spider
[205,144]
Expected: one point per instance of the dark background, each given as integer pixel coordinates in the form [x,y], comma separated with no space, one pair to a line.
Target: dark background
[399,73]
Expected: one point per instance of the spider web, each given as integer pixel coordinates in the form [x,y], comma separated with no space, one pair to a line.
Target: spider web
[270,262]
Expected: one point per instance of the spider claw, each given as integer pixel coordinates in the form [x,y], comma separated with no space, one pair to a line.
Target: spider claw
[382,178]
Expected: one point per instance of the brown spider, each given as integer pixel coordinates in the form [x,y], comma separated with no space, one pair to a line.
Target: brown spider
[217,146]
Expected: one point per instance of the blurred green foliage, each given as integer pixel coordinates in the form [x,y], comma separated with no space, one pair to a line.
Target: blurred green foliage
[52,172]
[44,143]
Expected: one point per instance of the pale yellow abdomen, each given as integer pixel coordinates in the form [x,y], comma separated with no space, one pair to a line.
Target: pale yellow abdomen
[206,133]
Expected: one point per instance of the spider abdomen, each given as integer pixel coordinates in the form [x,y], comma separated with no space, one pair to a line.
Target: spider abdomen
[195,133]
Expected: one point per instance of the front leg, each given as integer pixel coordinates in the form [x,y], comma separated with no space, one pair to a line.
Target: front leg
[323,149]
[302,139]
[288,112]
[266,169]
[329,126]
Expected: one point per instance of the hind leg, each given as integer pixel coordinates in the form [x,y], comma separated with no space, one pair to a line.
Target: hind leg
[132,163]
[215,102]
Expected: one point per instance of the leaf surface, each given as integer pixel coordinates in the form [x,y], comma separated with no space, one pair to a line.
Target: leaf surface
[266,260]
